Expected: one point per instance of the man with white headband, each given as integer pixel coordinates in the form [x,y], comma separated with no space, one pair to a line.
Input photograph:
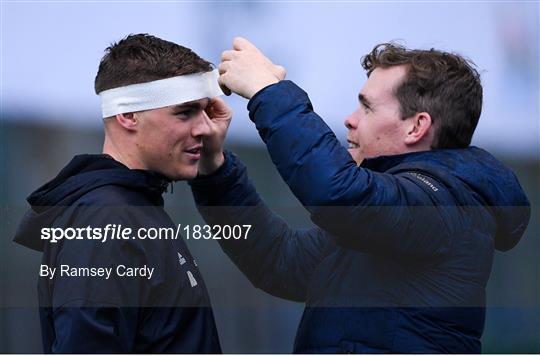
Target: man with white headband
[102,289]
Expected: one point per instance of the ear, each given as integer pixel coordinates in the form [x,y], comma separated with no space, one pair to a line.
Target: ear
[128,120]
[418,128]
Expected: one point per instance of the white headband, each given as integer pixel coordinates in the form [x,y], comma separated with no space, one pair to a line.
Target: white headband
[160,93]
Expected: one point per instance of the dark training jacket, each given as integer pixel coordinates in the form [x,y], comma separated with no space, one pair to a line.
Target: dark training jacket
[168,313]
[403,247]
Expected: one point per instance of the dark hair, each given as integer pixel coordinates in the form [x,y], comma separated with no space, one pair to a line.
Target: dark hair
[445,85]
[143,58]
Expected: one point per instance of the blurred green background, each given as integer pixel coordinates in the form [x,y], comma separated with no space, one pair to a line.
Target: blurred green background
[249,321]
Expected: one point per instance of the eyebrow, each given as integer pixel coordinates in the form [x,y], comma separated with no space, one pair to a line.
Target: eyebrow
[362,98]
[191,105]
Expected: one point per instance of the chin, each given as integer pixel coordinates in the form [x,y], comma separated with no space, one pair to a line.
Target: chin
[356,155]
[184,174]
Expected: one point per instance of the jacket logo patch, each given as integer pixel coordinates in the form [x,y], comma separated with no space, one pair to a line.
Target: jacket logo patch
[424,180]
[192,279]
[181,259]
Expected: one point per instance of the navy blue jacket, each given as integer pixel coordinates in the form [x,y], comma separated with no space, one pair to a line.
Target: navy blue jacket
[168,313]
[403,246]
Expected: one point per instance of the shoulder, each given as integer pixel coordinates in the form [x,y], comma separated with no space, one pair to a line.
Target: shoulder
[114,195]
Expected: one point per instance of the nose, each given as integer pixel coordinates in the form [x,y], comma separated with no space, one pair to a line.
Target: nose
[351,121]
[201,125]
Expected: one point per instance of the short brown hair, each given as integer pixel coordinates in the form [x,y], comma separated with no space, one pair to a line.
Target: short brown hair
[143,58]
[445,85]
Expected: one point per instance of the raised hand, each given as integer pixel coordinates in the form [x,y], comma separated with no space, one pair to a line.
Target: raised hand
[245,70]
[219,115]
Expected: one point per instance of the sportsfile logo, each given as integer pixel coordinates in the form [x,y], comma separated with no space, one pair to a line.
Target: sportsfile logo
[109,232]
[119,232]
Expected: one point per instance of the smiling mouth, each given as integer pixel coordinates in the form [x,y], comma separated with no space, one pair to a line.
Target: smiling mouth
[194,153]
[352,145]
[194,150]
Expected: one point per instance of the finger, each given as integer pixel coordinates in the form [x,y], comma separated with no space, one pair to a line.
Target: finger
[208,116]
[223,67]
[219,108]
[218,103]
[223,86]
[240,43]
[227,55]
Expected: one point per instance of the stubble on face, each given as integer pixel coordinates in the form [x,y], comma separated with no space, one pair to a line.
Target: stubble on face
[377,127]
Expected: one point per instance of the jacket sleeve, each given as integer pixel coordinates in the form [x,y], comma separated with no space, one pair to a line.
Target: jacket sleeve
[365,210]
[274,257]
[105,329]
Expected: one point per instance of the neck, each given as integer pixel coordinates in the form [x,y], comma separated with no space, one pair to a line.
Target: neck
[111,148]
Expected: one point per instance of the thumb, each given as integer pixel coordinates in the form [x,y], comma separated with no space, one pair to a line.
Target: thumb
[280,72]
